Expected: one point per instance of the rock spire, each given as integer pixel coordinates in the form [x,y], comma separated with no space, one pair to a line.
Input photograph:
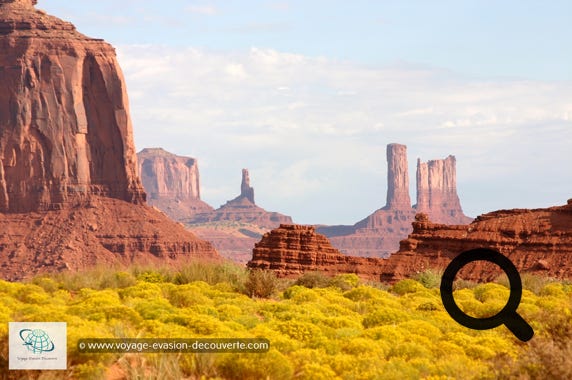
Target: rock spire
[246,191]
[397,178]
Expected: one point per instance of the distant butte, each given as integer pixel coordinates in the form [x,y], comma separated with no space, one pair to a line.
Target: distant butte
[243,209]
[172,183]
[70,193]
[379,234]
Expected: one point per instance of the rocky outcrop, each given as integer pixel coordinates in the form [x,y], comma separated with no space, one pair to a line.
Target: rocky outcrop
[291,250]
[437,191]
[64,115]
[380,233]
[538,241]
[102,231]
[172,183]
[242,209]
[70,194]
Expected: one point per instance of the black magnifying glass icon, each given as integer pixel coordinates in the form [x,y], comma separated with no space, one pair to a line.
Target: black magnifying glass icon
[508,315]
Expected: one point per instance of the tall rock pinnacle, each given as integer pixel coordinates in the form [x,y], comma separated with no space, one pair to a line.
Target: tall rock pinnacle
[437,191]
[397,178]
[64,115]
[246,191]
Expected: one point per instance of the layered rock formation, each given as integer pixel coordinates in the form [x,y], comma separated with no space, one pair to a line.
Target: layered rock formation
[64,116]
[67,158]
[291,250]
[380,233]
[538,240]
[172,183]
[242,209]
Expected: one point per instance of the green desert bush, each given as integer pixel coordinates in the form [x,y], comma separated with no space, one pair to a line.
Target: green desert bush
[261,283]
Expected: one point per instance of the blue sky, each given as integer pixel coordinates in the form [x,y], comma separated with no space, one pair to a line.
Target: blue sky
[306,94]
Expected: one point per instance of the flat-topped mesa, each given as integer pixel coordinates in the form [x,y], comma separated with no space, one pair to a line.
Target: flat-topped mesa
[397,178]
[246,191]
[437,191]
[164,174]
[172,183]
[64,115]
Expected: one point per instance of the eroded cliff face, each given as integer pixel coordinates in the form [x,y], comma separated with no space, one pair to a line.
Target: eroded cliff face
[291,250]
[538,241]
[172,183]
[70,194]
[64,116]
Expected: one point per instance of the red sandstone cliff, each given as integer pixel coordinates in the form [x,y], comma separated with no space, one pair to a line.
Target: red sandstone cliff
[69,187]
[64,115]
[380,233]
[538,240]
[291,250]
[172,183]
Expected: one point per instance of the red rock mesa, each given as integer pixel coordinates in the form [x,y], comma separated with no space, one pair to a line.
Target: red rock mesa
[172,183]
[70,193]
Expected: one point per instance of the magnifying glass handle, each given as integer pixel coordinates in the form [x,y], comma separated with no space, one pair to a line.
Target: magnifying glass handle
[519,327]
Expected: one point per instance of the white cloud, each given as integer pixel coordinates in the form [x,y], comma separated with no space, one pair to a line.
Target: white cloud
[314,130]
[208,10]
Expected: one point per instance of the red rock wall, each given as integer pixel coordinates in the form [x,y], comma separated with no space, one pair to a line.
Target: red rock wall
[64,115]
[538,241]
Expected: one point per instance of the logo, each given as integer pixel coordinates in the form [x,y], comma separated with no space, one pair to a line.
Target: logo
[37,345]
[38,341]
[508,315]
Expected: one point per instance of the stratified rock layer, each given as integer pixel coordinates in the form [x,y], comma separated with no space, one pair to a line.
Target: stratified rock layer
[538,241]
[291,250]
[64,115]
[242,209]
[70,195]
[172,183]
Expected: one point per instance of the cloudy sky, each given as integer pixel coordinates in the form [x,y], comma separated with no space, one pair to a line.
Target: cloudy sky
[307,94]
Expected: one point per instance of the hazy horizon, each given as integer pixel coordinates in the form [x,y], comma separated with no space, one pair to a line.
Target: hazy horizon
[308,94]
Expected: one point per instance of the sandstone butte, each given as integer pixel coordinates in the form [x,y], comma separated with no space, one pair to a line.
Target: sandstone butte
[291,250]
[172,183]
[380,233]
[537,241]
[70,194]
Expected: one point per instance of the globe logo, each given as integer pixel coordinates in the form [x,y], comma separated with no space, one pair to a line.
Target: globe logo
[37,341]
